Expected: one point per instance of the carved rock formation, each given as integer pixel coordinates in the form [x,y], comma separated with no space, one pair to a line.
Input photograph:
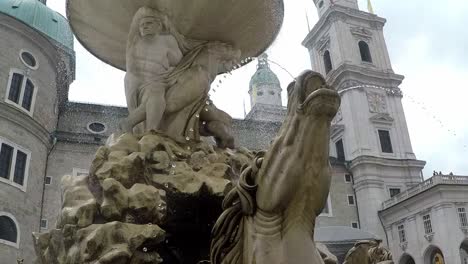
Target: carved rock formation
[147,199]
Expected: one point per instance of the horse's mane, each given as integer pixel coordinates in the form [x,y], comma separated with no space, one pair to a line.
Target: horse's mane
[227,243]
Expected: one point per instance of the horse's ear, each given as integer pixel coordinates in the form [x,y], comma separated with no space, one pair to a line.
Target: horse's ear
[290,88]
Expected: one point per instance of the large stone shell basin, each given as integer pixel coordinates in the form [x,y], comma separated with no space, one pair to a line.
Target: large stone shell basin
[251,25]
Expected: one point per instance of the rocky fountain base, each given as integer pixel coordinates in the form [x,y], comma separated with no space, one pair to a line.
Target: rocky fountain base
[147,199]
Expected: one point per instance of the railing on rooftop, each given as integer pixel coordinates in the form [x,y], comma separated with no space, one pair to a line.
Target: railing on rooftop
[429,183]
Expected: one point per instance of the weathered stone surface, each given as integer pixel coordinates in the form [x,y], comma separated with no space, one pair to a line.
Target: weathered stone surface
[327,256]
[368,252]
[138,186]
[79,206]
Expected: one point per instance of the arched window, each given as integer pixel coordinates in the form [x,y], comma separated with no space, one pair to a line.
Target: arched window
[365,51]
[327,62]
[8,230]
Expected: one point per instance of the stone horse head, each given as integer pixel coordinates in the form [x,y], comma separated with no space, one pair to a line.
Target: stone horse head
[269,217]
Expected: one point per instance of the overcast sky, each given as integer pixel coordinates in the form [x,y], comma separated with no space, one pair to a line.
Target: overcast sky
[427,41]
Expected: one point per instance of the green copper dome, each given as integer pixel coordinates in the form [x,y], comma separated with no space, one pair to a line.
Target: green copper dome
[264,75]
[40,17]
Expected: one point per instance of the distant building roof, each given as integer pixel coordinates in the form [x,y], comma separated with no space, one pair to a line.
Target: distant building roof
[264,75]
[40,17]
[336,234]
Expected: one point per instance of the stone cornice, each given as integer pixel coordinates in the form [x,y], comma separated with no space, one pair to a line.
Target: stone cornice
[95,108]
[366,160]
[81,138]
[347,71]
[381,118]
[25,121]
[369,183]
[341,13]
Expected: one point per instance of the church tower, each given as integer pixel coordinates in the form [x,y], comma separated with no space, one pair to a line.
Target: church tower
[265,93]
[369,134]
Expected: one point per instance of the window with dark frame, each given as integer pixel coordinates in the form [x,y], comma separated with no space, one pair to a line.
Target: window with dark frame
[29,59]
[21,91]
[365,51]
[6,156]
[401,233]
[15,87]
[462,217]
[355,225]
[385,141]
[44,223]
[348,178]
[8,230]
[327,61]
[28,95]
[427,224]
[340,154]
[20,167]
[351,200]
[48,180]
[13,163]
[394,191]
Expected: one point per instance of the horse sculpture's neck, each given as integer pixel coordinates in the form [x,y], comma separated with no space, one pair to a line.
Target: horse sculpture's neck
[293,182]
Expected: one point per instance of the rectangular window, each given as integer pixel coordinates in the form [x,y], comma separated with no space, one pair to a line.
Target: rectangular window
[6,155]
[385,142]
[354,225]
[351,200]
[20,167]
[427,224]
[15,87]
[48,180]
[394,191]
[44,223]
[340,155]
[348,178]
[401,233]
[462,217]
[28,95]
[13,163]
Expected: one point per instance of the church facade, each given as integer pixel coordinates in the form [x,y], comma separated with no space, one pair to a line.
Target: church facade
[377,188]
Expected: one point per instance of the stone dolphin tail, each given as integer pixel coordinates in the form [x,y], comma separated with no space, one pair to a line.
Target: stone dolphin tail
[269,216]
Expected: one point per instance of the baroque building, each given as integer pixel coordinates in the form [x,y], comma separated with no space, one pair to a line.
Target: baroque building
[377,188]
[421,221]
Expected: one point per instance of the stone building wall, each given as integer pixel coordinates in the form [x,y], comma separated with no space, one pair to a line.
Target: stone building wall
[27,131]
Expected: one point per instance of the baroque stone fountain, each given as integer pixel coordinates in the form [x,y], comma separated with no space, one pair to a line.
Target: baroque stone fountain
[159,191]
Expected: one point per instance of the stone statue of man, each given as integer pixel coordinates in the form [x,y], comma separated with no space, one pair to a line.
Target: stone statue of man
[152,53]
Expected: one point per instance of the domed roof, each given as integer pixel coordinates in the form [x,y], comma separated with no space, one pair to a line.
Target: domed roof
[264,75]
[38,16]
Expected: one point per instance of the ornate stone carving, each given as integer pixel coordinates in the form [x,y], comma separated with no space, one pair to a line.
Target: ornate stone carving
[348,84]
[168,78]
[338,117]
[361,33]
[323,44]
[394,92]
[368,252]
[377,102]
[258,224]
[385,119]
[404,245]
[429,237]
